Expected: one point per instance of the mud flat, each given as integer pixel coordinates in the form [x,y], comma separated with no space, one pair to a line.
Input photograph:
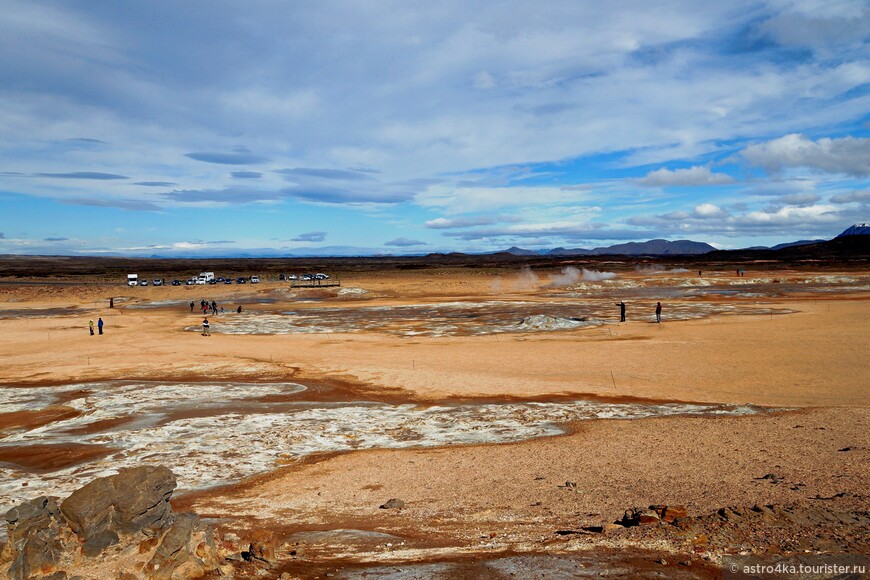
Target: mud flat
[506,450]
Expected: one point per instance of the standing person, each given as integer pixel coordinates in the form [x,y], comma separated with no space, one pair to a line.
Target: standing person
[621,305]
[239,309]
[191,305]
[205,331]
[659,312]
[100,325]
[91,326]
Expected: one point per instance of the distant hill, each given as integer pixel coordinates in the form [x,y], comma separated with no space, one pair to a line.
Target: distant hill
[656,247]
[852,248]
[521,252]
[856,230]
[792,244]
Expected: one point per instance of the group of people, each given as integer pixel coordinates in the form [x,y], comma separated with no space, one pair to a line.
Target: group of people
[621,305]
[99,326]
[205,305]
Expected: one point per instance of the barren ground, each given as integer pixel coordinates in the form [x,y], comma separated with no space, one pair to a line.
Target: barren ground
[792,340]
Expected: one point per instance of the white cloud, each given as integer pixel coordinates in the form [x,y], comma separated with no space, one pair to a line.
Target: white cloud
[848,155]
[708,210]
[684,177]
[791,214]
[443,223]
[858,196]
[799,199]
[405,243]
[789,221]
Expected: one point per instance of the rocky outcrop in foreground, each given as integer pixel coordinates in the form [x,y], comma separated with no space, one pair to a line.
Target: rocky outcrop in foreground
[120,526]
[781,529]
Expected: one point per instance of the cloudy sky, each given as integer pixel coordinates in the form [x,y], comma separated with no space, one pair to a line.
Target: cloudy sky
[331,127]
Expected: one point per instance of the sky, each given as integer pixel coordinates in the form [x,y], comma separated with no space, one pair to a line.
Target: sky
[203,128]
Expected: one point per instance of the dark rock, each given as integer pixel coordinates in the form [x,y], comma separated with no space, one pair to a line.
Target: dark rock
[393,504]
[136,499]
[37,538]
[144,502]
[94,545]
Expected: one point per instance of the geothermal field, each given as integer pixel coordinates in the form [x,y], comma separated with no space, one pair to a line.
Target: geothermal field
[456,422]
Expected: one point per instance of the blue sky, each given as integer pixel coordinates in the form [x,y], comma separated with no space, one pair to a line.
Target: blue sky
[216,127]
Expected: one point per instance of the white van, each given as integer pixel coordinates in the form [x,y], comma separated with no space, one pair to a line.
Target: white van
[132,279]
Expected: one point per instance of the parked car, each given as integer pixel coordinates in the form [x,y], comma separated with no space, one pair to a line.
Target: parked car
[176,282]
[240,280]
[228,280]
[220,278]
[282,277]
[143,282]
[158,282]
[292,277]
[320,276]
[255,279]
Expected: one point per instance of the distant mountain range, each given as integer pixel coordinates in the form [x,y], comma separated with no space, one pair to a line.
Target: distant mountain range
[651,248]
[659,247]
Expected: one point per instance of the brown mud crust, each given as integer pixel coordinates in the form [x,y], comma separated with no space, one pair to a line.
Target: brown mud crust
[36,418]
[52,457]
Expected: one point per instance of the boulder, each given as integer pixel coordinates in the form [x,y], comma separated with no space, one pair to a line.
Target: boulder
[131,509]
[187,549]
[393,504]
[38,538]
[136,499]
[143,499]
[668,513]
